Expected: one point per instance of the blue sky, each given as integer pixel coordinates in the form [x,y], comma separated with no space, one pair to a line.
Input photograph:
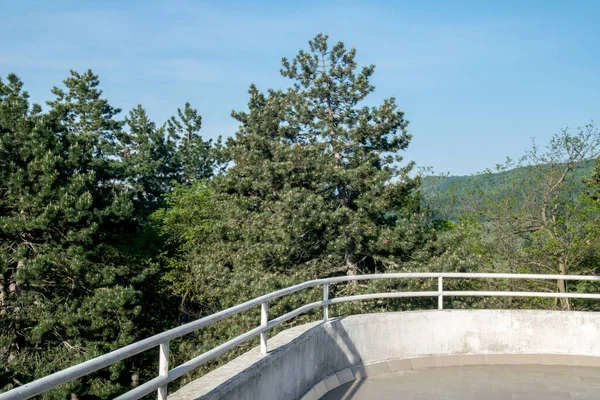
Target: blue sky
[477,79]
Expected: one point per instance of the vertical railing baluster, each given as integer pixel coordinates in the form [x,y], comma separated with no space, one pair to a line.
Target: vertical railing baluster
[325,298]
[441,290]
[163,368]
[264,321]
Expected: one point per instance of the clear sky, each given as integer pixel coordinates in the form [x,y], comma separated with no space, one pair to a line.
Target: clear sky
[477,79]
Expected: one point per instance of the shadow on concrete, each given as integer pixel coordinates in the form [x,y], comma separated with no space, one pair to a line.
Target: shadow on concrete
[346,391]
[346,346]
[305,356]
[300,359]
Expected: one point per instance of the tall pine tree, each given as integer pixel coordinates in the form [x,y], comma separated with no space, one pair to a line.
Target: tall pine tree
[66,296]
[316,187]
[197,158]
[149,161]
[366,188]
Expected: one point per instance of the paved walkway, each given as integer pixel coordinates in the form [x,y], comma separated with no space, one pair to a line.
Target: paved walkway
[502,382]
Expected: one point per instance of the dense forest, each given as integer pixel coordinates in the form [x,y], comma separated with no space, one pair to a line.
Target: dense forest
[114,227]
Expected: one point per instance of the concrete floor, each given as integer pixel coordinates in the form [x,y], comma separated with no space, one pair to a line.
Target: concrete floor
[506,382]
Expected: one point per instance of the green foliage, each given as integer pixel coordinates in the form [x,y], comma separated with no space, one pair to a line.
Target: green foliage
[187,216]
[594,181]
[64,299]
[195,157]
[315,188]
[148,161]
[536,215]
[451,196]
[186,225]
[80,271]
[316,180]
[183,224]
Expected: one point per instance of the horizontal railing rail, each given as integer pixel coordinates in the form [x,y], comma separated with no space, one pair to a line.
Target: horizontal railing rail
[161,340]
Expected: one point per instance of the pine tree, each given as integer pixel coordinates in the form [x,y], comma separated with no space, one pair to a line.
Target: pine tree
[315,187]
[197,158]
[85,114]
[149,161]
[15,119]
[365,184]
[316,175]
[66,296]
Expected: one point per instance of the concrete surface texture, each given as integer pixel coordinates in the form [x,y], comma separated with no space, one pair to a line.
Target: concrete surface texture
[360,372]
[489,382]
[300,359]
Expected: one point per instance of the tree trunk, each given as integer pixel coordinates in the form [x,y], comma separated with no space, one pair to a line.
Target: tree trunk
[351,267]
[3,298]
[135,379]
[13,292]
[351,270]
[562,286]
[13,288]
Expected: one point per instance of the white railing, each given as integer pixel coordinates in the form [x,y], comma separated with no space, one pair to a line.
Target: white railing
[162,340]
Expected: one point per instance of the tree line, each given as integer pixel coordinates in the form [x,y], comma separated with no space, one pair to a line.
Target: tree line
[116,228]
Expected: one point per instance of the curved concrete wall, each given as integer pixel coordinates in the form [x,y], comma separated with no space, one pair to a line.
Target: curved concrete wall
[305,355]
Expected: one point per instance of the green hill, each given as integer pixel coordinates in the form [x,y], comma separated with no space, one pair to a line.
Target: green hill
[446,195]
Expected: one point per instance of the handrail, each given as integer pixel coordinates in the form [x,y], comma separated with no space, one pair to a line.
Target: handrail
[162,340]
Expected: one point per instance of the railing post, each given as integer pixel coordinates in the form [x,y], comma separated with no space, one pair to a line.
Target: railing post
[325,298]
[264,320]
[163,368]
[441,290]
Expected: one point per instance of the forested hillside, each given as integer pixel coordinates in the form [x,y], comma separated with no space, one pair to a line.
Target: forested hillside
[448,194]
[114,227]
[536,215]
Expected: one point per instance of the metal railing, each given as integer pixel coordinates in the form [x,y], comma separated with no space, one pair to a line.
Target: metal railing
[166,375]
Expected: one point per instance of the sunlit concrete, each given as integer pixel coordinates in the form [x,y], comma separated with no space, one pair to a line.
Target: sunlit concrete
[487,382]
[310,360]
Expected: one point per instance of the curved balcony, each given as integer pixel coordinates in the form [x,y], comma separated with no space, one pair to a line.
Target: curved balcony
[338,357]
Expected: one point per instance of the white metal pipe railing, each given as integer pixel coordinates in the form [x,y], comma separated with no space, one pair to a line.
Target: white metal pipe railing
[441,293]
[325,299]
[264,321]
[162,340]
[163,368]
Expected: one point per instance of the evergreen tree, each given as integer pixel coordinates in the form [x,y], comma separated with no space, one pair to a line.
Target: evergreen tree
[316,176]
[65,295]
[149,161]
[197,158]
[86,115]
[315,187]
[366,187]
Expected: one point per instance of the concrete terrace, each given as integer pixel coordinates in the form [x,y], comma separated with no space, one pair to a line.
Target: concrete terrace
[433,354]
[487,382]
[447,354]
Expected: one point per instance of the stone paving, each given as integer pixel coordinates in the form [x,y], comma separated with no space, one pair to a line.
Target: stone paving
[497,382]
